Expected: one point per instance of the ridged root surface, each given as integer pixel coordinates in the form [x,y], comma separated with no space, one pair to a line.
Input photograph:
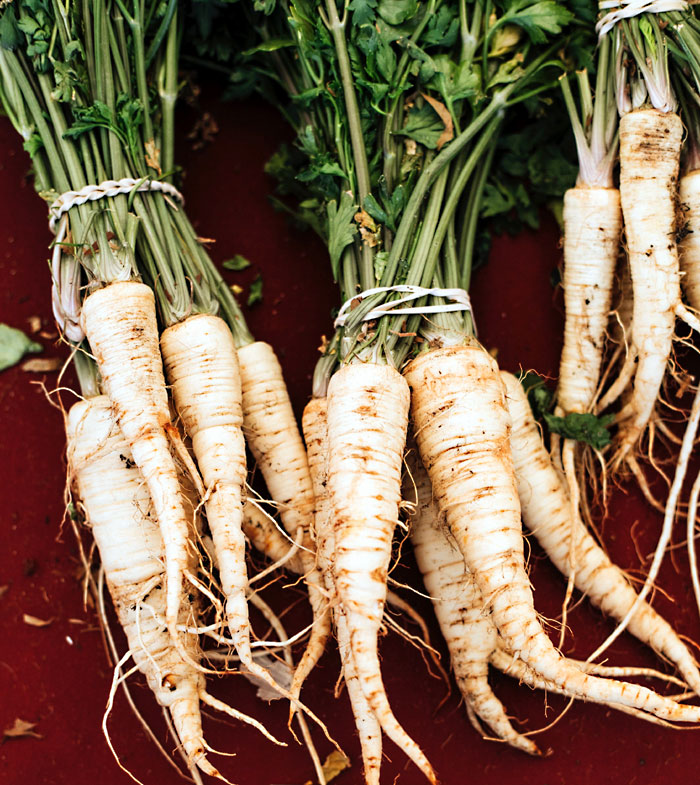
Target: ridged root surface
[650,144]
[367,421]
[202,369]
[118,509]
[273,437]
[120,324]
[462,429]
[689,246]
[315,428]
[592,226]
[546,512]
[466,625]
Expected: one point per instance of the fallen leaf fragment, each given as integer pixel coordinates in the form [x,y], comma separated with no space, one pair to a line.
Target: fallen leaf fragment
[280,672]
[42,365]
[14,344]
[19,729]
[33,621]
[34,324]
[3,590]
[334,764]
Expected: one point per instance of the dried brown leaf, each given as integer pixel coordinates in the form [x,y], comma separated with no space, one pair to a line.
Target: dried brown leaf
[334,764]
[42,365]
[34,324]
[20,728]
[34,621]
[153,156]
[444,114]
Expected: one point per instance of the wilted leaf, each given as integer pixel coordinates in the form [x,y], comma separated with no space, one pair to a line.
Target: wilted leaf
[153,156]
[14,344]
[42,365]
[334,764]
[444,114]
[237,263]
[34,621]
[255,294]
[20,728]
[280,672]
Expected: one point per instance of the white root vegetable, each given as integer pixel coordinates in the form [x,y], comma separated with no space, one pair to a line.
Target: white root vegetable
[547,513]
[120,323]
[592,226]
[202,369]
[118,509]
[367,421]
[466,625]
[263,534]
[650,143]
[515,667]
[315,428]
[273,437]
[469,629]
[689,246]
[462,429]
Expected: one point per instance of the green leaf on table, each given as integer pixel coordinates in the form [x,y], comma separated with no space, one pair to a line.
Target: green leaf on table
[255,294]
[341,228]
[237,263]
[14,344]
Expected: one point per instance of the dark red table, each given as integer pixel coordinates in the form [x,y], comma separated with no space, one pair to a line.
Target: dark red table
[58,676]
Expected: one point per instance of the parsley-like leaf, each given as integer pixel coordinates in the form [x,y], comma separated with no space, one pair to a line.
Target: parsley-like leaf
[237,263]
[255,294]
[341,228]
[14,344]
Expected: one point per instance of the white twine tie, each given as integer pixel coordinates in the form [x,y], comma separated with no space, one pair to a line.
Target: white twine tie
[626,9]
[106,190]
[459,302]
[65,289]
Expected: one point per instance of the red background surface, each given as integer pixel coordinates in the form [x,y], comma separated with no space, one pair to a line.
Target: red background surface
[58,676]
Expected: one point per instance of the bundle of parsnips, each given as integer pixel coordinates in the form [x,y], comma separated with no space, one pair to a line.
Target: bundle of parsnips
[396,109]
[647,92]
[91,88]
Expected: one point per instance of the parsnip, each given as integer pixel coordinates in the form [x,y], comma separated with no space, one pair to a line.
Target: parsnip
[315,428]
[546,512]
[274,440]
[120,324]
[462,429]
[367,421]
[118,509]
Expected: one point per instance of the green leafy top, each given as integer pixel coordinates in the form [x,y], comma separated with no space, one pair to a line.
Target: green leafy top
[396,105]
[91,87]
